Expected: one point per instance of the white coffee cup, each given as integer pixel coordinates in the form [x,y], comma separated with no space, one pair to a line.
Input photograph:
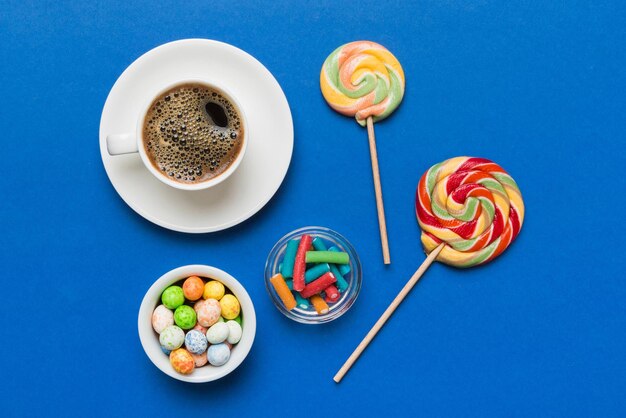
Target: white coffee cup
[128,143]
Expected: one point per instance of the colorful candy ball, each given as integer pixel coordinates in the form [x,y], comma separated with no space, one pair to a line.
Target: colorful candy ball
[185,317]
[193,288]
[218,333]
[182,361]
[200,359]
[172,337]
[165,351]
[208,312]
[213,290]
[162,318]
[195,342]
[234,332]
[230,307]
[218,354]
[173,297]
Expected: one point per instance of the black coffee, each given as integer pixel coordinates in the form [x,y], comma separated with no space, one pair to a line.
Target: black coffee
[192,133]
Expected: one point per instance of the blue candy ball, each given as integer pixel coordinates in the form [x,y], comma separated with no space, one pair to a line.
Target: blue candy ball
[218,354]
[195,342]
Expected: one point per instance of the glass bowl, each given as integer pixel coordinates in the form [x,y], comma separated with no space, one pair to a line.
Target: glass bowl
[347,298]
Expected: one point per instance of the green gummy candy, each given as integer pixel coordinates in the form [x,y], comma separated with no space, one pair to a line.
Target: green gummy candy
[343,268]
[173,297]
[327,257]
[185,317]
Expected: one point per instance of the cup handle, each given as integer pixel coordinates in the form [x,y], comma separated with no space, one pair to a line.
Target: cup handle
[122,144]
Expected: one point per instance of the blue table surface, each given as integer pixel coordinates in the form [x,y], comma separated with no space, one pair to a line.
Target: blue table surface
[536,86]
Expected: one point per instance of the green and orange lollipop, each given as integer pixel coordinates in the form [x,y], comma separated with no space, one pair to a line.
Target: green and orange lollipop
[364,80]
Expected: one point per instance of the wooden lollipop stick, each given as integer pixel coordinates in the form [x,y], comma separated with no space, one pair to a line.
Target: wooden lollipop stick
[385,316]
[382,225]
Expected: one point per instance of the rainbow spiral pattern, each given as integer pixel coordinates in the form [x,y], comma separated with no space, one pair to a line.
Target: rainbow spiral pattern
[362,79]
[473,206]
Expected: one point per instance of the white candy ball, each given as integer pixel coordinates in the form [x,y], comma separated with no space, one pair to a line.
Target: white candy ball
[217,333]
[234,332]
[162,318]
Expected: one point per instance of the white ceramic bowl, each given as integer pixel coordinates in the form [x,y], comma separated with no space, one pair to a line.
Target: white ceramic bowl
[150,339]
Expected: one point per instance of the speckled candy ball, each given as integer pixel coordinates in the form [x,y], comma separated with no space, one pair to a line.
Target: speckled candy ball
[218,354]
[162,318]
[217,333]
[213,290]
[172,337]
[185,317]
[230,307]
[173,297]
[193,288]
[182,361]
[207,311]
[195,342]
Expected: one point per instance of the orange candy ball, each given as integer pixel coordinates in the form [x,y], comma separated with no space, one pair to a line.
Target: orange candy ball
[193,288]
[182,361]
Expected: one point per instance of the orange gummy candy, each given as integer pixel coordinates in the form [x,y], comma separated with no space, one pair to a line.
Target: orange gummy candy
[283,291]
[320,306]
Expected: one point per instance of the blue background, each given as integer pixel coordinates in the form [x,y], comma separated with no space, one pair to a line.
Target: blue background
[538,87]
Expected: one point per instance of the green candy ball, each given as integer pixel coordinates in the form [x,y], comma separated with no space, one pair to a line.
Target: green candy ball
[238,319]
[173,297]
[185,317]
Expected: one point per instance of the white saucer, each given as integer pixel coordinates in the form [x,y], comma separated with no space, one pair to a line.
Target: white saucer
[262,169]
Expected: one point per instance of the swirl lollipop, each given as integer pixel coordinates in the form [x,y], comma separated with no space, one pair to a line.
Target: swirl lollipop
[363,79]
[469,210]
